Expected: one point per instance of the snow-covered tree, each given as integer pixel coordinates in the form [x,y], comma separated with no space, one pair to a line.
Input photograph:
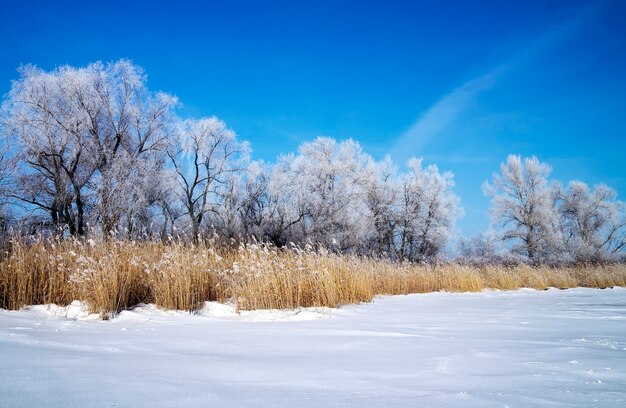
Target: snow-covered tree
[253,208]
[129,125]
[381,195]
[93,145]
[480,249]
[85,139]
[592,221]
[320,194]
[205,156]
[51,142]
[523,207]
[427,208]
[7,168]
[285,204]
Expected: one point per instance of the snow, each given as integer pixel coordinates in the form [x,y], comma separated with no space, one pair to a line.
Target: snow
[489,349]
[75,310]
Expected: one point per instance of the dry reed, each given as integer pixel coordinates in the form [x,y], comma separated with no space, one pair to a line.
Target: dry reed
[113,276]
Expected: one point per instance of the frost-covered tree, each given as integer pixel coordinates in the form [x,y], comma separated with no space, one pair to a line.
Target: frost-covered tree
[40,114]
[205,156]
[253,209]
[334,194]
[285,204]
[85,139]
[94,146]
[320,194]
[427,208]
[168,205]
[523,207]
[592,221]
[479,249]
[7,168]
[381,195]
[129,126]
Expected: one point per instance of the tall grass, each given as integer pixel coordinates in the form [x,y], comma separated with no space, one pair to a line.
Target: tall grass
[112,276]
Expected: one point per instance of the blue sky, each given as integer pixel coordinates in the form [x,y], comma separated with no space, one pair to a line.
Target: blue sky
[459,84]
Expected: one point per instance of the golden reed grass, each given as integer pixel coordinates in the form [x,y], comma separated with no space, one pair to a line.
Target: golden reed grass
[113,276]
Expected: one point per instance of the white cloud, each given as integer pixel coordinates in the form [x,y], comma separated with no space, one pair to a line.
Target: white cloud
[443,113]
[447,109]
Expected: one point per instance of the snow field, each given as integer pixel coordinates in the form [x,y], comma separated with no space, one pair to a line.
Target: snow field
[489,349]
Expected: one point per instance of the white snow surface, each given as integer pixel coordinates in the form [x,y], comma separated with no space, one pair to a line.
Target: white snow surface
[490,349]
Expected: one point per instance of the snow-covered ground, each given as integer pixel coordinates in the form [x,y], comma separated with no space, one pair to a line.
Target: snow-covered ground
[490,349]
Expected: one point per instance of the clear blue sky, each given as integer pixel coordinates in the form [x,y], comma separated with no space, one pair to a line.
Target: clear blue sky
[460,84]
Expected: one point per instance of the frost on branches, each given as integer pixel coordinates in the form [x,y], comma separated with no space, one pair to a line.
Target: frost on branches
[94,147]
[93,150]
[545,222]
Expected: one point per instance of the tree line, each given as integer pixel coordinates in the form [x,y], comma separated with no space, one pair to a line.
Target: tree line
[546,222]
[93,150]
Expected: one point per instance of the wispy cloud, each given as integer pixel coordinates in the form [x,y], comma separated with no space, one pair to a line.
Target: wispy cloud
[447,109]
[456,158]
[439,116]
